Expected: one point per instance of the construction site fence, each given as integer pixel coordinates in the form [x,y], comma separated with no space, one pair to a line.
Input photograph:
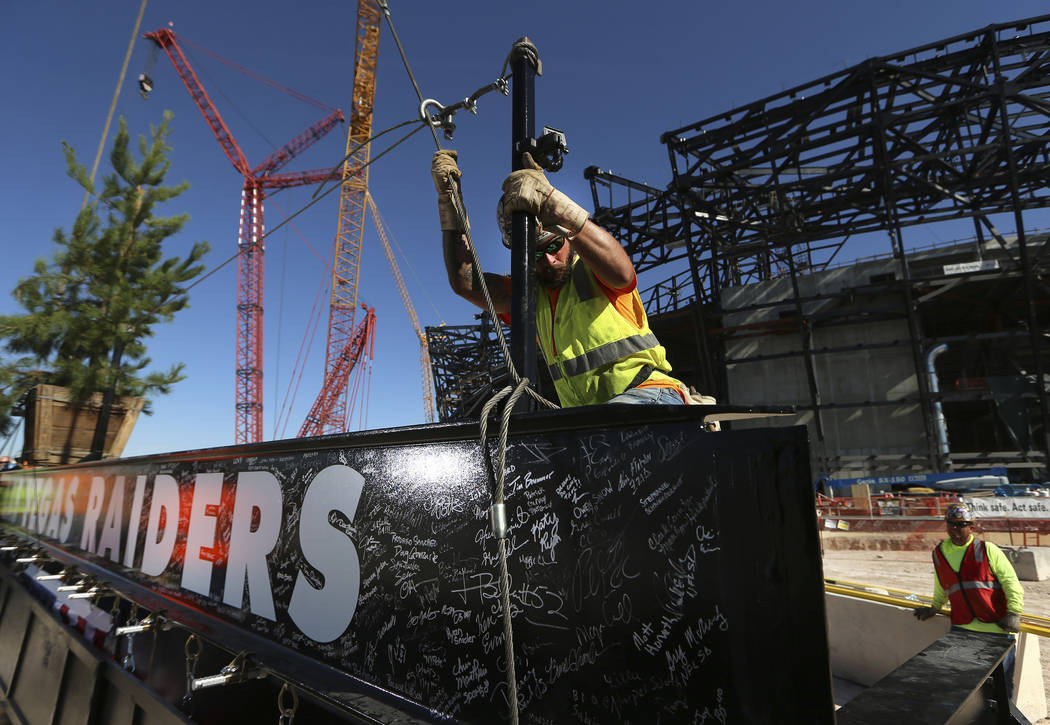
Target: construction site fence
[886,504]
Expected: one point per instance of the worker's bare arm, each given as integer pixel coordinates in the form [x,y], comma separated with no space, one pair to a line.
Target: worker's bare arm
[464,279]
[603,255]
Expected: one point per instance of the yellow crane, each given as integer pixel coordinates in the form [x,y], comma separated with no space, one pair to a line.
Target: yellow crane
[329,414]
[424,350]
[346,263]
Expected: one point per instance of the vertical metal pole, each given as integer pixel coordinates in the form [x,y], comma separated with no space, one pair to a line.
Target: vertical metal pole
[911,311]
[716,382]
[805,333]
[1035,332]
[524,61]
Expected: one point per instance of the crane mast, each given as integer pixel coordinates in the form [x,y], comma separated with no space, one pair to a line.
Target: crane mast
[248,397]
[346,261]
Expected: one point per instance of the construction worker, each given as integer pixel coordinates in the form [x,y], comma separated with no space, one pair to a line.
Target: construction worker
[977,579]
[590,323]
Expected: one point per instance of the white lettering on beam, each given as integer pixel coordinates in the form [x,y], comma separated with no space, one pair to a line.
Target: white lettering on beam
[94,508]
[134,521]
[196,569]
[256,491]
[156,552]
[110,539]
[324,614]
[69,510]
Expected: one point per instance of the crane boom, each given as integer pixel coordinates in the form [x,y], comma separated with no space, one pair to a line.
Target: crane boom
[165,38]
[290,150]
[248,395]
[359,346]
[424,349]
[346,260]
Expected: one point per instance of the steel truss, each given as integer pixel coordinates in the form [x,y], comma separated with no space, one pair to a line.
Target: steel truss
[467,365]
[774,189]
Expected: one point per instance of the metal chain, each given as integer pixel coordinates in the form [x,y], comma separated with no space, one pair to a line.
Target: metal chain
[193,654]
[128,663]
[286,715]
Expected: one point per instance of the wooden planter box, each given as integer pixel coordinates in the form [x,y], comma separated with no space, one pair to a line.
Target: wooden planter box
[57,431]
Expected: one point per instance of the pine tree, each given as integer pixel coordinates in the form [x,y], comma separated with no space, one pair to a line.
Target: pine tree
[93,303]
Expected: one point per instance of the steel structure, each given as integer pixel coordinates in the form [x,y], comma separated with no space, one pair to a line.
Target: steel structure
[467,364]
[258,181]
[772,191]
[424,350]
[350,229]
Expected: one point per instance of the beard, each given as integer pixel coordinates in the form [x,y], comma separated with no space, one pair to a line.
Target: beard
[552,277]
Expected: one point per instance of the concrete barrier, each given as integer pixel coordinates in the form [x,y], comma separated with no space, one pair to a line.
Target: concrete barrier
[1029,691]
[868,640]
[1032,564]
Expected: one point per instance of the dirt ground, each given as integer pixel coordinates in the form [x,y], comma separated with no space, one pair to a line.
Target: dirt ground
[913,572]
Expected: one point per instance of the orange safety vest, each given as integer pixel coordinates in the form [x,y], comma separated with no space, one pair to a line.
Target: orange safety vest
[973,591]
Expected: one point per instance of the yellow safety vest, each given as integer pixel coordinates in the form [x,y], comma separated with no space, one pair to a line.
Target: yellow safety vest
[599,352]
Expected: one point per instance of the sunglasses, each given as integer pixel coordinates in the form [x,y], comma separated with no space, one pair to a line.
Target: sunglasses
[551,247]
[960,524]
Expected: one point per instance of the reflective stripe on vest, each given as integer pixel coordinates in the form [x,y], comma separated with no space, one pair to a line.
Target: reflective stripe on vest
[607,353]
[972,585]
[582,283]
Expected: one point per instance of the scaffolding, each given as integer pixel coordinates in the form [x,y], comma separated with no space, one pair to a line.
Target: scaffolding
[467,365]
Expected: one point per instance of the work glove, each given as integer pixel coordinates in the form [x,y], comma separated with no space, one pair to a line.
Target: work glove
[446,174]
[695,398]
[924,613]
[1011,622]
[528,190]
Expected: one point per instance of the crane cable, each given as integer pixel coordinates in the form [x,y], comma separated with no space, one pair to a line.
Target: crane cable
[461,212]
[521,385]
[318,197]
[320,105]
[113,103]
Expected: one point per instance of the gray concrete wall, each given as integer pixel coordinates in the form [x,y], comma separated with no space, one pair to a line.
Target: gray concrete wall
[858,374]
[868,640]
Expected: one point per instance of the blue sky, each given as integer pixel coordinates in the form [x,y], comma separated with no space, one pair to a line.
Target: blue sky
[616,75]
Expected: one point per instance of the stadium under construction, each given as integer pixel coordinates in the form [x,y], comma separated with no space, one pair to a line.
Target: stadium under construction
[792,255]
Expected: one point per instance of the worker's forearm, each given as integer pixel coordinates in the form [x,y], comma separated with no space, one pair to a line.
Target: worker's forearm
[603,255]
[939,597]
[464,279]
[458,262]
[1007,578]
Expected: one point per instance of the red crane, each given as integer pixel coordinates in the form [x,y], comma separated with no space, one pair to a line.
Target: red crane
[334,390]
[257,181]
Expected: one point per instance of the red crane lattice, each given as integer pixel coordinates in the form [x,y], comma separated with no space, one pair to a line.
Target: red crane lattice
[359,346]
[248,399]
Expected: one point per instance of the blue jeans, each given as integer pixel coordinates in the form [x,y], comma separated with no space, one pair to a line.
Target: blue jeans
[649,396]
